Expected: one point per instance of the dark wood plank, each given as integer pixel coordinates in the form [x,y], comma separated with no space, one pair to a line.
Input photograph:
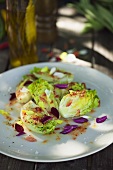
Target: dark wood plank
[80,164]
[103,160]
[4,60]
[7,163]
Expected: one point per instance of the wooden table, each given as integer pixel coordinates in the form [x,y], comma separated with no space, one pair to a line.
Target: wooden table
[99,56]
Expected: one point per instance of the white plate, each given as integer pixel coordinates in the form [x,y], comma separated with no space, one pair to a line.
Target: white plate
[96,137]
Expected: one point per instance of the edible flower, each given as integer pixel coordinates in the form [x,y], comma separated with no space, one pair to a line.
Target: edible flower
[101,119]
[68,128]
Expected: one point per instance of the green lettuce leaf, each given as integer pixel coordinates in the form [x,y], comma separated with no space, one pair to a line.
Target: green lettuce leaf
[78,103]
[43,94]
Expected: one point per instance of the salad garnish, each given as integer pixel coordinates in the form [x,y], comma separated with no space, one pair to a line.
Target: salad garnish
[80,120]
[68,128]
[50,96]
[101,119]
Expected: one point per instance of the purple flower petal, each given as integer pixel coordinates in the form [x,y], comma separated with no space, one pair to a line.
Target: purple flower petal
[55,112]
[68,126]
[19,128]
[20,133]
[80,120]
[12,96]
[101,119]
[61,86]
[45,119]
[68,129]
[28,82]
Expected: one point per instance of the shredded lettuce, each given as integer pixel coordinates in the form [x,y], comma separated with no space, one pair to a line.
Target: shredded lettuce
[4,113]
[77,86]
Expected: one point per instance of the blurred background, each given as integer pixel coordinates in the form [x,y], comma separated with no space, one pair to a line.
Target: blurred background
[84,33]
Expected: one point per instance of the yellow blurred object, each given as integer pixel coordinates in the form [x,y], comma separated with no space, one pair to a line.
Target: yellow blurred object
[63,55]
[3,12]
[21,31]
[2,26]
[4,113]
[31,32]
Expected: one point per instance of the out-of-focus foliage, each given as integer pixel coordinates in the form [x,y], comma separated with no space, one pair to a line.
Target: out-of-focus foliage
[99,14]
